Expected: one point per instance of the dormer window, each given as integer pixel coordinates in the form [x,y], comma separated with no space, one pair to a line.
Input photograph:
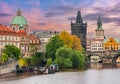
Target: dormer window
[14,28]
[21,27]
[22,37]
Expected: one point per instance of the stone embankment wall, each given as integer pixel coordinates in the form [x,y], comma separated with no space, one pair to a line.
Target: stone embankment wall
[8,67]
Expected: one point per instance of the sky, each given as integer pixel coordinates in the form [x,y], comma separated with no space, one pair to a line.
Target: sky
[56,15]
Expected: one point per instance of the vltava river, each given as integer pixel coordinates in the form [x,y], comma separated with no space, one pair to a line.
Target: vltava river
[93,75]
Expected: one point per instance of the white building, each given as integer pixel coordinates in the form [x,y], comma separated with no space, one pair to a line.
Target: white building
[98,41]
[44,37]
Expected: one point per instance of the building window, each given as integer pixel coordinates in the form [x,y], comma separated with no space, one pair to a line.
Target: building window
[13,28]
[16,38]
[22,38]
[21,27]
[12,38]
[5,37]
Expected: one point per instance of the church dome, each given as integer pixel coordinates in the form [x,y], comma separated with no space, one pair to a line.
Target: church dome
[19,19]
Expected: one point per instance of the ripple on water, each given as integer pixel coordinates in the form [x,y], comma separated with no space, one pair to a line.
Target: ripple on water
[90,76]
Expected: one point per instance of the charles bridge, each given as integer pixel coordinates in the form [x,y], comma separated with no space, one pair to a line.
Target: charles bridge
[106,56]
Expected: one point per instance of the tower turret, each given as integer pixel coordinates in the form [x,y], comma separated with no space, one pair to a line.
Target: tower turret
[99,23]
[79,18]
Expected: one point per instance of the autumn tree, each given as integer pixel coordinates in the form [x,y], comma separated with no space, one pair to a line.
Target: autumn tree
[67,39]
[76,44]
[51,48]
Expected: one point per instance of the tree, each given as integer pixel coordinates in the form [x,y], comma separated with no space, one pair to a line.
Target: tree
[78,59]
[63,57]
[40,55]
[67,39]
[12,51]
[51,48]
[76,44]
[23,62]
[49,62]
[4,58]
[35,61]
[33,49]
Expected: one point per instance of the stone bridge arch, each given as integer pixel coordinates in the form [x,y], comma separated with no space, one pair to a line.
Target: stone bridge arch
[115,58]
[93,57]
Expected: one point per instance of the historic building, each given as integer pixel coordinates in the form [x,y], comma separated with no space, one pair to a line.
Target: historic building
[98,41]
[44,37]
[19,22]
[79,28]
[111,44]
[88,44]
[18,35]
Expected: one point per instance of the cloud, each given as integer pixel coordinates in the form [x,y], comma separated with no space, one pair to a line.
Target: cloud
[57,16]
[42,24]
[72,18]
[105,19]
[58,10]
[5,14]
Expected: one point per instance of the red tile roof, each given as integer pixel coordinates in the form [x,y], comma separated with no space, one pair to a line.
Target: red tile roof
[22,33]
[8,31]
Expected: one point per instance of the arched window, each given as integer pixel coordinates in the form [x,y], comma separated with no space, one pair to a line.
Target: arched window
[21,27]
[13,28]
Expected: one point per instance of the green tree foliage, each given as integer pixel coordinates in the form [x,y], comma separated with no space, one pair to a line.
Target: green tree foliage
[54,44]
[49,61]
[40,56]
[78,59]
[63,57]
[4,58]
[12,51]
[37,59]
[66,50]
[33,49]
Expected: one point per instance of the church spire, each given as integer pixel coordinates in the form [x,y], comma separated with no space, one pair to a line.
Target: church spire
[99,23]
[19,12]
[79,18]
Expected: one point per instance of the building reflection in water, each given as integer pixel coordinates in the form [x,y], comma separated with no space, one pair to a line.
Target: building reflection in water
[102,66]
[118,65]
[96,65]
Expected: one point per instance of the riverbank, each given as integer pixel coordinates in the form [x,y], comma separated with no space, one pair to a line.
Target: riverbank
[89,76]
[14,76]
[96,66]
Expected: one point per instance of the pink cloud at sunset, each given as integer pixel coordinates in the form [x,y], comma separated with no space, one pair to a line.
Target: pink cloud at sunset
[49,15]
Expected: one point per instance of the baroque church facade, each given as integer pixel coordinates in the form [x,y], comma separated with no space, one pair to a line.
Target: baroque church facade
[17,34]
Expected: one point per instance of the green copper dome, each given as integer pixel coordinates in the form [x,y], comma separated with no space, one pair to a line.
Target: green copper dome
[19,19]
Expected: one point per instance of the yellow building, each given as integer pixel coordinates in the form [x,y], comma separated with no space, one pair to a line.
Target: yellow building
[111,44]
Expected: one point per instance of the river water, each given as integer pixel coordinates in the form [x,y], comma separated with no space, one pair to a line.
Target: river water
[95,74]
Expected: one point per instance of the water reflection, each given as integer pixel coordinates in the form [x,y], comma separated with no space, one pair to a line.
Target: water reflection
[102,66]
[96,65]
[117,65]
[90,76]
